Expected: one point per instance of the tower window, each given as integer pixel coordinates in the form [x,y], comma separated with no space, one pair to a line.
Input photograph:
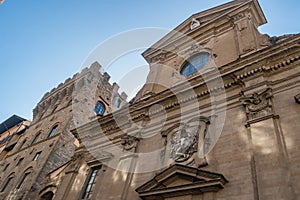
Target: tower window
[90,183]
[36,138]
[23,180]
[118,103]
[99,108]
[195,63]
[19,161]
[23,143]
[37,155]
[7,184]
[6,166]
[53,131]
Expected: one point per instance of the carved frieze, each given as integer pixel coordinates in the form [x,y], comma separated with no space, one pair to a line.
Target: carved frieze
[194,48]
[239,16]
[258,105]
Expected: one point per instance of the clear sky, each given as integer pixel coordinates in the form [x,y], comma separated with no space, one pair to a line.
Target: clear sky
[42,43]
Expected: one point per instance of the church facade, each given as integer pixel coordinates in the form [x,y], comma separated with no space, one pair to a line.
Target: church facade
[216,119]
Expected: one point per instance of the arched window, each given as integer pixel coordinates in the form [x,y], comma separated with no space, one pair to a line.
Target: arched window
[22,145]
[47,196]
[195,63]
[99,108]
[23,180]
[54,109]
[53,131]
[36,138]
[8,183]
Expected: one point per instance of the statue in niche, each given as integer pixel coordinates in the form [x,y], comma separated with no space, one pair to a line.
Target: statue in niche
[184,143]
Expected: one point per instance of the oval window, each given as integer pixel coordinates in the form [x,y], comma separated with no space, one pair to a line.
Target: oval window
[99,108]
[195,63]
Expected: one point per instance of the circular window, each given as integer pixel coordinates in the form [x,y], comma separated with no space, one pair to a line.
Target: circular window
[195,63]
[99,108]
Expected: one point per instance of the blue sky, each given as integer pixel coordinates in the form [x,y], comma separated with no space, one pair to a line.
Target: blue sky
[42,43]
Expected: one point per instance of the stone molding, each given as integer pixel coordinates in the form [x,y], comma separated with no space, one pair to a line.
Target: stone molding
[167,184]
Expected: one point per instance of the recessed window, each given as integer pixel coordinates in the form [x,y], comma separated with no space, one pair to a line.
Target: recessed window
[99,108]
[36,138]
[90,183]
[118,103]
[23,180]
[54,109]
[21,146]
[9,180]
[53,131]
[19,162]
[195,63]
[37,155]
[6,166]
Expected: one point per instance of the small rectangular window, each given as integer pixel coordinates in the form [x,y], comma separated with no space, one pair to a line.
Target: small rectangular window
[90,183]
[19,162]
[37,155]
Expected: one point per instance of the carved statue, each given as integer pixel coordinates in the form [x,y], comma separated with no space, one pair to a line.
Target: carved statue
[183,144]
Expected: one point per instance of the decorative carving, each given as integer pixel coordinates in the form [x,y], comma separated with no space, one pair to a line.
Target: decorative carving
[194,23]
[195,48]
[184,143]
[258,104]
[297,98]
[129,142]
[239,16]
[160,57]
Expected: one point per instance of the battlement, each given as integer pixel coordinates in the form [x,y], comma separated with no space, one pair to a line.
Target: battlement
[62,94]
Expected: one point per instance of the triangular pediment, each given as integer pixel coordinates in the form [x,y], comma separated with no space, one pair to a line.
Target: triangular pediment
[207,20]
[179,180]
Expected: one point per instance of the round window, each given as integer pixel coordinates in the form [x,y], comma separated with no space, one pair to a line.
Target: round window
[99,108]
[195,63]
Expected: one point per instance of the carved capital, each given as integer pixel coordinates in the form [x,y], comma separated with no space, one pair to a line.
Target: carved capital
[258,105]
[129,142]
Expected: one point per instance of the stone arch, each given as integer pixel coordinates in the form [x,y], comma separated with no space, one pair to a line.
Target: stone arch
[47,193]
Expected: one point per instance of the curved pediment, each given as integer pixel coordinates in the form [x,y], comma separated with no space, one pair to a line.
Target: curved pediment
[181,180]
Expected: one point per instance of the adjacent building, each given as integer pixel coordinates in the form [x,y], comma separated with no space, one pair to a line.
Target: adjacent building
[31,152]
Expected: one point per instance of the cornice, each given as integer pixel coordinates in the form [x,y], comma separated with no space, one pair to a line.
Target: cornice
[233,74]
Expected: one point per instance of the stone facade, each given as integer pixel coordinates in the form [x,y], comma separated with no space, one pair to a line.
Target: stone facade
[216,119]
[225,131]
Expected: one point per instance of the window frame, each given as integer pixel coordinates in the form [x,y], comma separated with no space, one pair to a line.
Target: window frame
[90,182]
[36,156]
[36,138]
[7,183]
[53,131]
[99,108]
[188,68]
[19,161]
[19,186]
